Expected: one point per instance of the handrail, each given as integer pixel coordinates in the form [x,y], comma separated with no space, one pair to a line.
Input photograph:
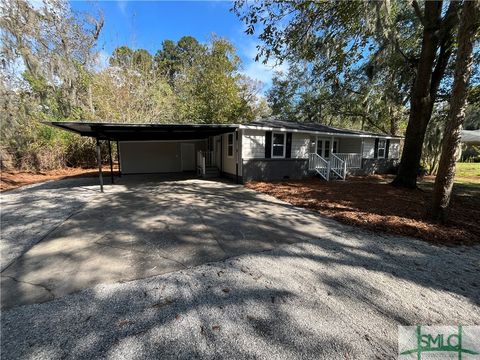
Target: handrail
[338,166]
[319,164]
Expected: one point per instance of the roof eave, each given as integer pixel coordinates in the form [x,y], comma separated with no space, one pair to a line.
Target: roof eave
[337,134]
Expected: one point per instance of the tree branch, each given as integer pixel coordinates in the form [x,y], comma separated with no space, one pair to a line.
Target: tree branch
[418,12]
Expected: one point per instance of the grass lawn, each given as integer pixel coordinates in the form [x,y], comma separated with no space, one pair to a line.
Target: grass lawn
[468,170]
[370,202]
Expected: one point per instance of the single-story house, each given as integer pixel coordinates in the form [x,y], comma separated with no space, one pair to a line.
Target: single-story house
[268,149]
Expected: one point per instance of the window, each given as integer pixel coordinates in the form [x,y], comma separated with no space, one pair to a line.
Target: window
[278,145]
[334,146]
[230,145]
[381,148]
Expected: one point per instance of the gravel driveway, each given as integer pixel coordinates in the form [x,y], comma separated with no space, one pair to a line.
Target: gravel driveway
[324,290]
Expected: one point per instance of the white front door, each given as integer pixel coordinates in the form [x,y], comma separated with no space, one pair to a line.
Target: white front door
[323,147]
[188,156]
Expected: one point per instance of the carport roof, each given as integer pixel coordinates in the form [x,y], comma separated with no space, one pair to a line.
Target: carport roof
[118,131]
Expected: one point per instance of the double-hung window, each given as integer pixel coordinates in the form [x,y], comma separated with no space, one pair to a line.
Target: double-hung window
[278,145]
[230,145]
[382,144]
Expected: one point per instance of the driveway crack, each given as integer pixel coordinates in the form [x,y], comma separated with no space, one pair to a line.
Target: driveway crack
[50,292]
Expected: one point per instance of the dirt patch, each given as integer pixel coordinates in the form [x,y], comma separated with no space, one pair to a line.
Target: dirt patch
[370,202]
[14,179]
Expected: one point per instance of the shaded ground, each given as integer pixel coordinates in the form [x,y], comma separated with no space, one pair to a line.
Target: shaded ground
[15,179]
[370,202]
[64,236]
[308,287]
[318,300]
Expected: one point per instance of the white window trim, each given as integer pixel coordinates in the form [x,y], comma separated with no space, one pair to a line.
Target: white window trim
[384,148]
[284,145]
[233,145]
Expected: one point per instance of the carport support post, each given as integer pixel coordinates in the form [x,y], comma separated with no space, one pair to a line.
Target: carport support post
[110,158]
[99,159]
[118,159]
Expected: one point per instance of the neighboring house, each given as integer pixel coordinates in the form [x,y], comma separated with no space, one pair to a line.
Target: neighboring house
[263,150]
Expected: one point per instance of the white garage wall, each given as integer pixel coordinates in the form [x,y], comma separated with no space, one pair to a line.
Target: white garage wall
[153,156]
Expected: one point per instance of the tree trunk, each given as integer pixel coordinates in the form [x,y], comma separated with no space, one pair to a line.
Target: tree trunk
[469,24]
[424,90]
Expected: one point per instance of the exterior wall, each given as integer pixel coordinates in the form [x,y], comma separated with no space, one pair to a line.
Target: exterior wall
[378,166]
[350,145]
[253,144]
[394,149]
[274,169]
[300,145]
[368,148]
[153,156]
[256,167]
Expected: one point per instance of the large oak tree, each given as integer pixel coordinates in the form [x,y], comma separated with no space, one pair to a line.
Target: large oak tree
[394,38]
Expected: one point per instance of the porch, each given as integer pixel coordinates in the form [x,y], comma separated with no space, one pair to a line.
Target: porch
[335,156]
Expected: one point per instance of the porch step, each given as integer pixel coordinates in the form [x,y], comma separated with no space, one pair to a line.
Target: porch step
[211,172]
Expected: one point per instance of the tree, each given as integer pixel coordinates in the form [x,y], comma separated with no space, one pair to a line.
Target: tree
[174,56]
[122,57]
[48,55]
[469,25]
[392,41]
[437,44]
[208,90]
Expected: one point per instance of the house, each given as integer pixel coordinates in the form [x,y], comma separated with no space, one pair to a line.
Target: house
[269,149]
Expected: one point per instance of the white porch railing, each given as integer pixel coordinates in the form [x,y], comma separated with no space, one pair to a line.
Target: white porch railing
[319,164]
[338,166]
[353,160]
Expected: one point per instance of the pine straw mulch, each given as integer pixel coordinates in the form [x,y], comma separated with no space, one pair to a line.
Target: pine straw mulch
[372,203]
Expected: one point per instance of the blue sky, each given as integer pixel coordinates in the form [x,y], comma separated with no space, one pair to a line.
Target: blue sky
[145,24]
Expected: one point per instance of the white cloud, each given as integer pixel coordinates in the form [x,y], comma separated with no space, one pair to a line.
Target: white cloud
[122,5]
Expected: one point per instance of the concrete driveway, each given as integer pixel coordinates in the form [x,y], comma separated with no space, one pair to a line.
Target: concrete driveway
[151,258]
[138,228]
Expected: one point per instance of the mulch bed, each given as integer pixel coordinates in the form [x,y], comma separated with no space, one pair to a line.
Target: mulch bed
[374,204]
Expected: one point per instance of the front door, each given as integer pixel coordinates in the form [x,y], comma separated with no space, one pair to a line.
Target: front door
[323,147]
[188,156]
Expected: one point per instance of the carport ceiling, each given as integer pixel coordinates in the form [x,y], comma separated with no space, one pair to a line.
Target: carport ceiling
[119,132]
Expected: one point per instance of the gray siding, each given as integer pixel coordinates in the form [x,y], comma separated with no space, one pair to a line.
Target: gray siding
[274,169]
